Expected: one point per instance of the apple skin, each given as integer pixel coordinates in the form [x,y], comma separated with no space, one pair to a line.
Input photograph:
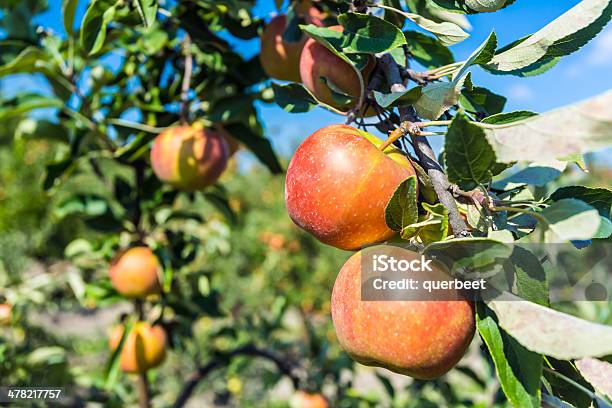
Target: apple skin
[421,339]
[311,14]
[189,158]
[339,183]
[302,399]
[280,59]
[134,273]
[6,314]
[143,349]
[317,62]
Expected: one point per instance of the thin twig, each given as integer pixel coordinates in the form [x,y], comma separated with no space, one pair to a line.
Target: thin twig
[424,152]
[186,84]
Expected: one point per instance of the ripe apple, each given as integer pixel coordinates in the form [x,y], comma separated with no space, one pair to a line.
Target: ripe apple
[280,59]
[422,339]
[329,78]
[6,314]
[135,273]
[143,349]
[189,157]
[302,399]
[339,183]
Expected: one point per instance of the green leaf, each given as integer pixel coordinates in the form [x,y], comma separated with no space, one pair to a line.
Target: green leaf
[69,10]
[217,196]
[562,36]
[432,227]
[599,198]
[147,9]
[27,62]
[438,97]
[529,275]
[575,129]
[24,103]
[480,56]
[518,369]
[335,42]
[427,51]
[447,33]
[260,146]
[95,24]
[369,34]
[111,370]
[392,17]
[472,6]
[407,97]
[472,158]
[481,101]
[570,219]
[402,209]
[508,117]
[294,98]
[567,337]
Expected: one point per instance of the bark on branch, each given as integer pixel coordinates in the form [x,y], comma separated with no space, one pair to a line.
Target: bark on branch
[423,150]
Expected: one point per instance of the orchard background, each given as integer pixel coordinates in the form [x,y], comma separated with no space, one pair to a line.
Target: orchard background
[242,294]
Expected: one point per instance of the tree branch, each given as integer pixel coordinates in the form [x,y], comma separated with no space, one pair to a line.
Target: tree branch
[186,84]
[249,350]
[424,152]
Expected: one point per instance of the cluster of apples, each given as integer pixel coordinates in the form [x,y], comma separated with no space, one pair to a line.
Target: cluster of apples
[337,187]
[329,78]
[189,158]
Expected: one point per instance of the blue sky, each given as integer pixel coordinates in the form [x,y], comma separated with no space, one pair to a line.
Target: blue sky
[578,76]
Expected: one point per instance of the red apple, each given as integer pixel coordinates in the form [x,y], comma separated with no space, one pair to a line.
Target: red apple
[135,273]
[6,314]
[329,78]
[189,157]
[422,339]
[339,183]
[302,399]
[280,59]
[143,349]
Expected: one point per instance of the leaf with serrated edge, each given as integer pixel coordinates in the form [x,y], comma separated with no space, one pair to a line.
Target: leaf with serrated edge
[567,337]
[472,158]
[369,34]
[598,373]
[579,128]
[537,45]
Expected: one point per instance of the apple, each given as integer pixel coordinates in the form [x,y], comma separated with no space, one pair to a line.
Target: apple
[422,339]
[135,273]
[329,78]
[189,157]
[280,59]
[232,143]
[302,399]
[339,183]
[310,14]
[144,347]
[6,314]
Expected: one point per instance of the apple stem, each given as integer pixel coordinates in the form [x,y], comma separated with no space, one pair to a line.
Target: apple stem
[423,150]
